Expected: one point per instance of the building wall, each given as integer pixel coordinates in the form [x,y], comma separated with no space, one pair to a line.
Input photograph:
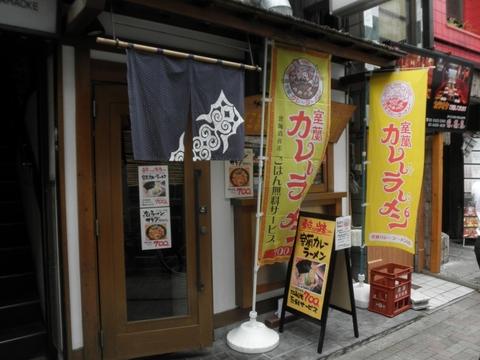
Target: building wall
[450,39]
[471,12]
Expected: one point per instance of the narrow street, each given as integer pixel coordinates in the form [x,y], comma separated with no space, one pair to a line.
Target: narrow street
[452,332]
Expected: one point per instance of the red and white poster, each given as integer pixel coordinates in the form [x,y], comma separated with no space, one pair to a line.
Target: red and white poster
[239,177]
[155,228]
[153,185]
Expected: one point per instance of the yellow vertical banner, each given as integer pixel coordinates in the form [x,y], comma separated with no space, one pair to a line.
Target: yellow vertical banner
[396,150]
[297,137]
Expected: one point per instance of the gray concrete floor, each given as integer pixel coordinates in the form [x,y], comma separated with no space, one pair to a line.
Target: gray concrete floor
[421,335]
[462,265]
[300,337]
[452,332]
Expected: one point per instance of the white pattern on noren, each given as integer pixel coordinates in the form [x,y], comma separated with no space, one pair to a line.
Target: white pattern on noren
[178,155]
[218,125]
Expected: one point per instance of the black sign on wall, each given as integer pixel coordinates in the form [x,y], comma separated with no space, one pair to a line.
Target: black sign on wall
[449,83]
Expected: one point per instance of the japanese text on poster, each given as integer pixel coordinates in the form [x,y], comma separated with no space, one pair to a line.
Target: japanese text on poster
[155,228]
[153,185]
[297,137]
[310,265]
[396,146]
[343,233]
[239,177]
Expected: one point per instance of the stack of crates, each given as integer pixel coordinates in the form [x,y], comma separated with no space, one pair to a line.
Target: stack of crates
[390,287]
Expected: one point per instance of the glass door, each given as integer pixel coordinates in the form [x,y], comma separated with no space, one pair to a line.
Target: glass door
[154,242]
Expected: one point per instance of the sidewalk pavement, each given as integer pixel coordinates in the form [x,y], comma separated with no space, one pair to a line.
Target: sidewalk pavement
[450,330]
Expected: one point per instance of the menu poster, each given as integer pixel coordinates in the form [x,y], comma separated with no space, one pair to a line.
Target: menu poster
[239,177]
[155,228]
[310,265]
[153,185]
[343,233]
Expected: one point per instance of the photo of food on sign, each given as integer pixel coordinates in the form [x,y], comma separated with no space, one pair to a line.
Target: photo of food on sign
[156,232]
[308,275]
[154,188]
[239,177]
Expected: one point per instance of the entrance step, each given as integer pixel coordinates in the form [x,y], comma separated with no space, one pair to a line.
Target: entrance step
[22,313]
[18,288]
[13,234]
[15,260]
[11,211]
[23,342]
[9,190]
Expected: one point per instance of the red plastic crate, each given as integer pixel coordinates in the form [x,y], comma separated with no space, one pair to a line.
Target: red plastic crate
[390,287]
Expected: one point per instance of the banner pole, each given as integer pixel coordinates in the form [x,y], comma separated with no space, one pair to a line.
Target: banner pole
[253,337]
[261,160]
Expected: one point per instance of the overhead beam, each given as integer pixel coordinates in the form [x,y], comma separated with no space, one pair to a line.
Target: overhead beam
[280,32]
[81,14]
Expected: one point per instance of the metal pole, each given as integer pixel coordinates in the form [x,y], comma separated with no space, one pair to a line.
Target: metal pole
[260,180]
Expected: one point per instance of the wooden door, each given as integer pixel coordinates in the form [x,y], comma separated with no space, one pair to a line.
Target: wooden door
[159,300]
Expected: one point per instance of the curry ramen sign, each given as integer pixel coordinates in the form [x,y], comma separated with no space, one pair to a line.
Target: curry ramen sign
[302,82]
[397,99]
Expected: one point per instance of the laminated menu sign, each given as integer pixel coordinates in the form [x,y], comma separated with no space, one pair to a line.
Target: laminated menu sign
[310,265]
[239,177]
[343,233]
[155,228]
[153,185]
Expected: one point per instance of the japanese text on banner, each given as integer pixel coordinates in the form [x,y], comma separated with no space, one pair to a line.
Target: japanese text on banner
[298,132]
[396,146]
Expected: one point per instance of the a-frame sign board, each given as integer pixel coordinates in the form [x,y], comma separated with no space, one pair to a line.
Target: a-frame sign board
[318,277]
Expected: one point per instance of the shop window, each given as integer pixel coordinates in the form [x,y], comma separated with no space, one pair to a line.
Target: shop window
[455,13]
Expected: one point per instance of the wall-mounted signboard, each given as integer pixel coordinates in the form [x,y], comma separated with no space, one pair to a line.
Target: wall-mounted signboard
[449,83]
[29,15]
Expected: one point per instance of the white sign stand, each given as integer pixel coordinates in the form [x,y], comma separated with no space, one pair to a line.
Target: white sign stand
[253,337]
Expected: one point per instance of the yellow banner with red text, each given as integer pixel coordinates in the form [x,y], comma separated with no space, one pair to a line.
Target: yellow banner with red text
[396,148]
[298,132]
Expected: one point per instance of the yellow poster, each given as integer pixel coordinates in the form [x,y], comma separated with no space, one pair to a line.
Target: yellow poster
[396,147]
[310,265]
[297,137]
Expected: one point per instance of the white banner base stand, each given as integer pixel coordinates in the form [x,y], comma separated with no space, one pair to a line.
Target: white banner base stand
[252,337]
[361,292]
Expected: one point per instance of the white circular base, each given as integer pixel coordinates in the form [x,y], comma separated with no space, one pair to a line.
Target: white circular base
[252,337]
[362,295]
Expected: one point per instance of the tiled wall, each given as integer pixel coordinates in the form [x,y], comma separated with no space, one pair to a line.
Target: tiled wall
[450,39]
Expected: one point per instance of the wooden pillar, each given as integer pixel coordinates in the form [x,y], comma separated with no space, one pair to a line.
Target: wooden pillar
[420,252]
[437,192]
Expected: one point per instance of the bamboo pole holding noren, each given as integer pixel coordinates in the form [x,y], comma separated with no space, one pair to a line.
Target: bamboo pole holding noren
[177,54]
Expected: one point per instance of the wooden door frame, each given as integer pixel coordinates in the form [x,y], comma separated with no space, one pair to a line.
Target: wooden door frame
[88,71]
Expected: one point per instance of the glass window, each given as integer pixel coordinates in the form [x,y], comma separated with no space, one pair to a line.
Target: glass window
[388,21]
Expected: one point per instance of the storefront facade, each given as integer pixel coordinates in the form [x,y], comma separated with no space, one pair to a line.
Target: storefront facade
[122,302]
